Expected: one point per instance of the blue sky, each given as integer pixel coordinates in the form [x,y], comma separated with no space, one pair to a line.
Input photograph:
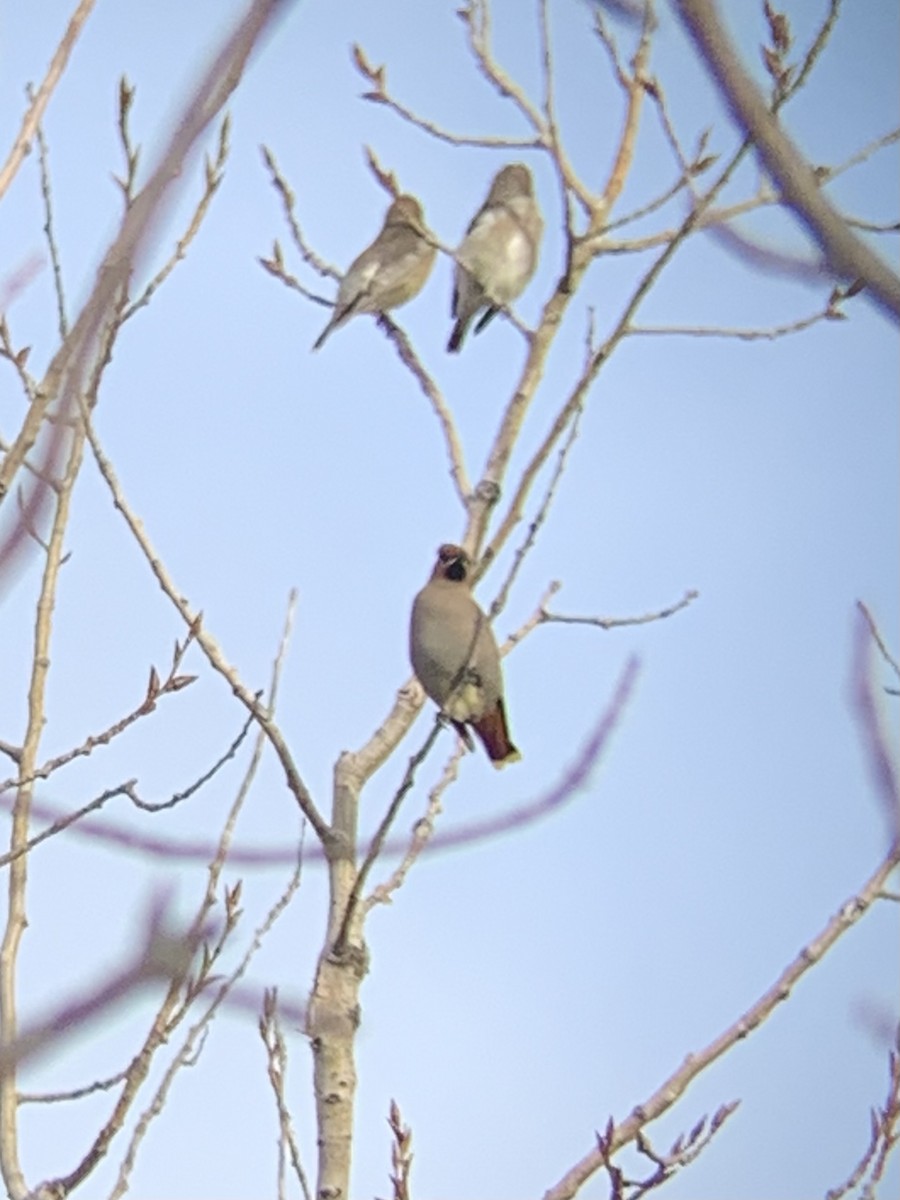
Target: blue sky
[524,989]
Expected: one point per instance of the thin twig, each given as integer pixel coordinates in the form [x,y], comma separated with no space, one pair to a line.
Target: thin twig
[129,789]
[214,172]
[376,77]
[879,640]
[452,441]
[618,622]
[401,1153]
[376,845]
[289,204]
[499,602]
[884,1136]
[422,831]
[829,313]
[276,1056]
[208,644]
[175,682]
[35,112]
[182,993]
[99,1085]
[267,857]
[49,232]
[192,1043]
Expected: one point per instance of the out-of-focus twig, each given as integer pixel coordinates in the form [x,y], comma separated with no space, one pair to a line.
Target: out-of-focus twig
[163,956]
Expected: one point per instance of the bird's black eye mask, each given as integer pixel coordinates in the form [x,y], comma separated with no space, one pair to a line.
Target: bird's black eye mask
[456,570]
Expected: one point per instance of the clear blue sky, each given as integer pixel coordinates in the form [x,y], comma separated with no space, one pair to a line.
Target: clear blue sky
[523,990]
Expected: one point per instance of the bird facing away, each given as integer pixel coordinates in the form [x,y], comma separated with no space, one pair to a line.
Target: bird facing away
[390,271]
[499,253]
[455,656]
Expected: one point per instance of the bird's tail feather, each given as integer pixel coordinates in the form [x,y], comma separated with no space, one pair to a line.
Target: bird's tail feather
[494,736]
[456,337]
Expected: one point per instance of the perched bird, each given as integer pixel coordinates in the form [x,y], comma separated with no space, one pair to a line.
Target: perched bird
[499,253]
[454,655]
[390,271]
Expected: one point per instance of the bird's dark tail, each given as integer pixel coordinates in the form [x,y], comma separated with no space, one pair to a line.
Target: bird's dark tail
[456,337]
[320,340]
[494,736]
[486,319]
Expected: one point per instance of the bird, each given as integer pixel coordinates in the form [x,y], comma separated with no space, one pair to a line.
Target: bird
[390,271]
[499,253]
[455,657]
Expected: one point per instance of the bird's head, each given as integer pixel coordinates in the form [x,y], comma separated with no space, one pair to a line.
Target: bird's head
[452,563]
[406,210]
[513,181]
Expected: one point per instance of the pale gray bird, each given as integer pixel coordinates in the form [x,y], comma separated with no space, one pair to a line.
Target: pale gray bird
[499,253]
[454,655]
[390,271]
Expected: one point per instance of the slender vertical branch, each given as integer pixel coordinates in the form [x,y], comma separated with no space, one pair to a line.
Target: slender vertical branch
[16,920]
[580,255]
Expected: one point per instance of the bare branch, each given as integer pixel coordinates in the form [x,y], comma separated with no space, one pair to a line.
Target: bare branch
[276,1063]
[49,232]
[883,1138]
[686,1149]
[288,204]
[677,1083]
[618,622]
[618,1135]
[193,1044]
[378,841]
[831,312]
[214,172]
[41,98]
[175,682]
[181,995]
[99,1085]
[878,639]
[625,153]
[534,528]
[276,267]
[401,1153]
[377,78]
[411,360]
[846,254]
[422,831]
[72,364]
[878,755]
[129,789]
[209,646]
[533,369]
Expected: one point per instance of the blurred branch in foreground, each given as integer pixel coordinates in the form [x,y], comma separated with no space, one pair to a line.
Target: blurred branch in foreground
[847,255]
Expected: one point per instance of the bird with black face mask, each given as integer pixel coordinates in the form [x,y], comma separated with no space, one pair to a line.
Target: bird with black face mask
[455,657]
[389,272]
[499,253]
